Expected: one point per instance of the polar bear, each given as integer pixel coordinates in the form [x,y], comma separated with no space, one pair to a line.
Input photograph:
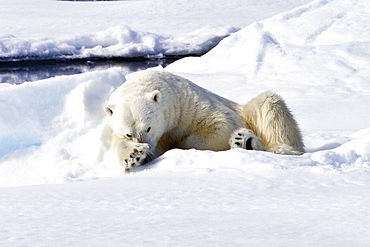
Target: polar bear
[154,111]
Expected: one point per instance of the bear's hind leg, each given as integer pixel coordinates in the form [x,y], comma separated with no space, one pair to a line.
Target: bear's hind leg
[270,119]
[204,141]
[214,136]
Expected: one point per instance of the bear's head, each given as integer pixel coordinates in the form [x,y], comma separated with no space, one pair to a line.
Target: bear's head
[136,116]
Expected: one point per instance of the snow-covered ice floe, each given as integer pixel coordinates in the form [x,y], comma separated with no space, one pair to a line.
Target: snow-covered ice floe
[315,56]
[51,29]
[39,37]
[120,41]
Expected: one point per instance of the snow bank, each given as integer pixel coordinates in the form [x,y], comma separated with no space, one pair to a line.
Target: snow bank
[117,41]
[55,125]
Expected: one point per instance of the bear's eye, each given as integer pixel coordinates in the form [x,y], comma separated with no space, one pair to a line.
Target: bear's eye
[128,135]
[148,129]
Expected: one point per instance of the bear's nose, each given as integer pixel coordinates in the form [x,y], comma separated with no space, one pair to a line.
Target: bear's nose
[134,138]
[140,139]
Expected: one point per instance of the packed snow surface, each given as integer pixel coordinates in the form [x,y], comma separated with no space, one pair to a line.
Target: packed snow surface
[61,186]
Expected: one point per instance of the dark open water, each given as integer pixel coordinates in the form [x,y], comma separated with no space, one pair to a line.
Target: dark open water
[19,72]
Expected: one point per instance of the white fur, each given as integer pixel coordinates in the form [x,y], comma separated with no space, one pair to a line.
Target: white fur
[153,112]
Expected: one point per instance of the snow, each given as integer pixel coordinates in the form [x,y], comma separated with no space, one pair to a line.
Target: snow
[118,41]
[304,56]
[60,185]
[123,28]
[252,205]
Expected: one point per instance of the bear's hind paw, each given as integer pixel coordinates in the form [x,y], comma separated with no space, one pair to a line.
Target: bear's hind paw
[244,138]
[285,150]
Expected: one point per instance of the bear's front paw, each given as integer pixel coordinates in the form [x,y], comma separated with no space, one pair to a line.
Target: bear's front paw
[244,138]
[136,155]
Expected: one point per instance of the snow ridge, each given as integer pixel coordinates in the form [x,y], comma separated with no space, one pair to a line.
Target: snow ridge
[119,41]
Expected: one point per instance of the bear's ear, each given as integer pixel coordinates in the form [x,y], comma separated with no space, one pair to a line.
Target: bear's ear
[108,110]
[155,95]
